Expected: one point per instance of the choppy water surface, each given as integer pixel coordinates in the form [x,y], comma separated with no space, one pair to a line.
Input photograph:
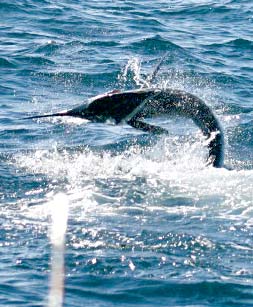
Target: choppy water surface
[148,223]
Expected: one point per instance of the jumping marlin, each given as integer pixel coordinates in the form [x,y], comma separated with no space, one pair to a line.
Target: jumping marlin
[133,106]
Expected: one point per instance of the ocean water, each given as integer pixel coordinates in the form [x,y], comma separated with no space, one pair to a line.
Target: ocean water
[147,223]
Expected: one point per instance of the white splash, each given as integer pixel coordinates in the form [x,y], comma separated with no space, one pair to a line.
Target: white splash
[170,165]
[134,67]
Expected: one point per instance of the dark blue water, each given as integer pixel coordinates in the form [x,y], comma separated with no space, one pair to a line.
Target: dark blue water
[148,224]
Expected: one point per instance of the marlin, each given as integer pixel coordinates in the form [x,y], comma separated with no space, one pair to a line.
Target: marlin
[133,106]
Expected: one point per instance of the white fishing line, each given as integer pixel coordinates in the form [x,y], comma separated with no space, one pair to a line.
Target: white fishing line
[59,215]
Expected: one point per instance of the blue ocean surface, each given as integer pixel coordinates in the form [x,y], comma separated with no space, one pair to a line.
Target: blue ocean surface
[148,224]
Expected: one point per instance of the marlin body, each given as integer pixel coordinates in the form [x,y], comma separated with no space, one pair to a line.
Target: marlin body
[132,107]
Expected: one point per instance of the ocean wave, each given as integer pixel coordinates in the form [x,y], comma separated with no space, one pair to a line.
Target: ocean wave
[195,9]
[241,43]
[5,90]
[48,48]
[4,63]
[34,60]
[155,43]
[148,291]
[105,78]
[11,7]
[102,43]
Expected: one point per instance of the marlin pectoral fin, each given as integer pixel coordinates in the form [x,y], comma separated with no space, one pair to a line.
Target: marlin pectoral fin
[146,127]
